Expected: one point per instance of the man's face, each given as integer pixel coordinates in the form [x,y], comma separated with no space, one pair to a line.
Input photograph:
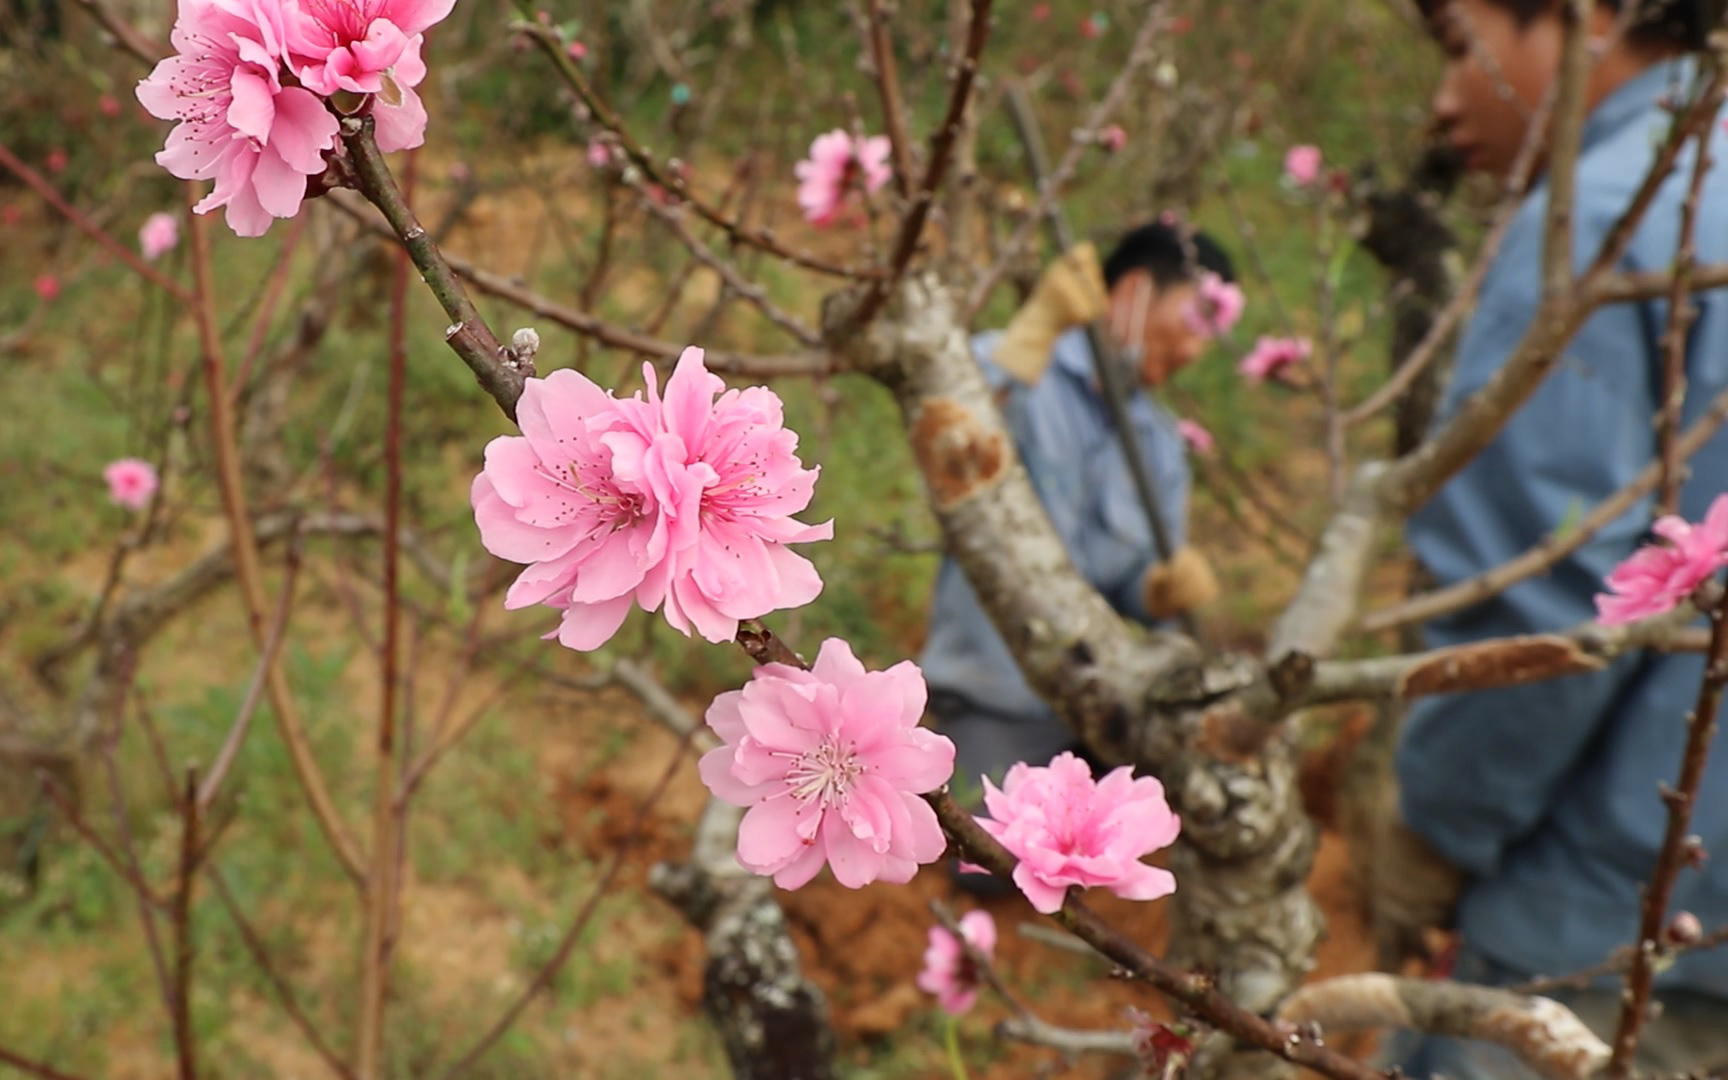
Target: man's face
[1156,320]
[1496,75]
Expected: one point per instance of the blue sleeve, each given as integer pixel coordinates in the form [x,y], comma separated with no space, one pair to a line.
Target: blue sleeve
[1479,771]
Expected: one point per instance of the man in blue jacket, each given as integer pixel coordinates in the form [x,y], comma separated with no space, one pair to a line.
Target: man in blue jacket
[1062,431]
[1546,796]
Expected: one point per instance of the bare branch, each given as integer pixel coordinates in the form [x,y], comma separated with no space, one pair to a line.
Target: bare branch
[1544,1034]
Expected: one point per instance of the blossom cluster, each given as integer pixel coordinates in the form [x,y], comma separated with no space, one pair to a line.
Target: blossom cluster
[250,83]
[681,501]
[837,164]
[1658,577]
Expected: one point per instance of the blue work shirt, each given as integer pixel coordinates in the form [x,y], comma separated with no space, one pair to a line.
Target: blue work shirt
[1546,795]
[1061,428]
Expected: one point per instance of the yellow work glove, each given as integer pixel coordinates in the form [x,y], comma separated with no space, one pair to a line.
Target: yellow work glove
[1069,293]
[1180,584]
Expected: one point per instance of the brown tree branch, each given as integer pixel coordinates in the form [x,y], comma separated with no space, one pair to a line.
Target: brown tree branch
[1671,856]
[246,561]
[1543,1033]
[1197,993]
[735,230]
[1555,546]
[499,372]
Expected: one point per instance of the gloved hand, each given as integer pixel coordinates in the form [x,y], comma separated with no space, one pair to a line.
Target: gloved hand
[1069,293]
[1180,584]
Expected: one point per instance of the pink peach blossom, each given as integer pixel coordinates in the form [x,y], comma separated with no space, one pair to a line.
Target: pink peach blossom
[47,288]
[56,160]
[1216,306]
[368,47]
[1196,436]
[1113,138]
[238,123]
[1302,164]
[1272,357]
[679,500]
[598,156]
[1067,830]
[949,971]
[827,176]
[131,482]
[158,235]
[1657,577]
[830,762]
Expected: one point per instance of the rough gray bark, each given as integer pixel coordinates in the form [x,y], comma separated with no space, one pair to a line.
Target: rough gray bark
[773,1021]
[1242,912]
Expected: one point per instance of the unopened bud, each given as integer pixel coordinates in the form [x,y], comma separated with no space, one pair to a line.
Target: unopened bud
[1692,850]
[525,343]
[1683,929]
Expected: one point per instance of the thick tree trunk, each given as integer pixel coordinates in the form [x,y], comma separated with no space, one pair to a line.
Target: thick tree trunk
[1241,909]
[773,1021]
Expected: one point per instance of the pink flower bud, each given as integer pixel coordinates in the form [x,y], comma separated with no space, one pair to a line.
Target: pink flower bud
[1683,929]
[48,287]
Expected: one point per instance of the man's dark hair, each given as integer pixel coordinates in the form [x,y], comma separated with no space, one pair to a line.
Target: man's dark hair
[1170,254]
[1657,24]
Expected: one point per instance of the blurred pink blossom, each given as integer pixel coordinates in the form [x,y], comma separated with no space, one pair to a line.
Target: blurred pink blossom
[577,50]
[831,762]
[825,177]
[1196,436]
[11,215]
[238,124]
[56,160]
[1658,577]
[1216,307]
[598,155]
[949,972]
[1113,138]
[1302,164]
[158,235]
[679,500]
[131,482]
[108,105]
[1067,830]
[367,47]
[47,287]
[1272,357]
[1040,12]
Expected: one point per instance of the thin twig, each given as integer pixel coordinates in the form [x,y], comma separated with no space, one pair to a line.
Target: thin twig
[567,944]
[255,689]
[886,75]
[284,992]
[504,288]
[1672,856]
[1139,55]
[181,916]
[942,143]
[751,291]
[1681,312]
[381,891]
[246,561]
[1198,993]
[735,230]
[103,238]
[32,1068]
[1556,545]
[468,335]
